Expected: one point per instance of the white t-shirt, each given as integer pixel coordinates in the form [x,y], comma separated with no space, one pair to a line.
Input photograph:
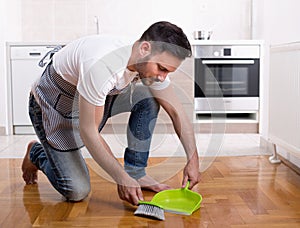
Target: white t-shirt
[97,66]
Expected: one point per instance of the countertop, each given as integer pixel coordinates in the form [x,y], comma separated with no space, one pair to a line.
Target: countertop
[42,43]
[226,42]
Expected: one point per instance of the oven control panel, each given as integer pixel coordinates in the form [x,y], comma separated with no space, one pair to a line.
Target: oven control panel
[232,51]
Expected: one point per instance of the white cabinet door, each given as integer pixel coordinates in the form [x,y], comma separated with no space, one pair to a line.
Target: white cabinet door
[24,72]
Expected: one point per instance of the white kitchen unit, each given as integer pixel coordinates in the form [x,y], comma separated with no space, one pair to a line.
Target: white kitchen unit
[284,102]
[23,71]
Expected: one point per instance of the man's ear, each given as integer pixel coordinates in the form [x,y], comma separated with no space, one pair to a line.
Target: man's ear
[145,48]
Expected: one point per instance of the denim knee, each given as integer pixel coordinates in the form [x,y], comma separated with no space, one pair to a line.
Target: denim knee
[78,191]
[143,118]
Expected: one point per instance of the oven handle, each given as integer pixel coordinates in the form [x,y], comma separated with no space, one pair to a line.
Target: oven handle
[228,62]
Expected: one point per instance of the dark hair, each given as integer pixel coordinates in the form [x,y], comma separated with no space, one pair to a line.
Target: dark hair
[168,37]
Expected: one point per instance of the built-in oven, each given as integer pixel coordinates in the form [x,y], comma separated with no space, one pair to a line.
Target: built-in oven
[226,78]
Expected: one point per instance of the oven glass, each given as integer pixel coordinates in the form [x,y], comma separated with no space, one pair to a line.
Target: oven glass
[227,80]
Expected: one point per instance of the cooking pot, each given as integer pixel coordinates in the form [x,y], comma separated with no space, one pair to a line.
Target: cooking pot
[202,35]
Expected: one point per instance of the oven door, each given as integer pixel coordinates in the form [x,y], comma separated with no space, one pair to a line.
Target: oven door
[226,78]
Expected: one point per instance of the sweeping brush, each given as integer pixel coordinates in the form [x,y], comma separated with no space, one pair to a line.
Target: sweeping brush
[150,209]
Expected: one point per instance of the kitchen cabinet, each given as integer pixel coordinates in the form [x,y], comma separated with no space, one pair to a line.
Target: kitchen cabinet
[23,71]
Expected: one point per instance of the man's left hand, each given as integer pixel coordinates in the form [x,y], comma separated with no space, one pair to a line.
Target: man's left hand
[191,172]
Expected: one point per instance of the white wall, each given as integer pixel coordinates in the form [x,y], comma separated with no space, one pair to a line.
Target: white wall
[2,69]
[277,22]
[64,20]
[53,20]
[283,20]
[10,29]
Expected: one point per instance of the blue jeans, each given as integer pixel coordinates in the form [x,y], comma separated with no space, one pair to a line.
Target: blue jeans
[144,110]
[68,172]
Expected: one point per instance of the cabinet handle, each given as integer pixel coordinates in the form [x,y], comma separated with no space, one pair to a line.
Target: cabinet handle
[34,53]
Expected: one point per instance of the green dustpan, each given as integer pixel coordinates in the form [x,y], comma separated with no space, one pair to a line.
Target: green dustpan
[179,201]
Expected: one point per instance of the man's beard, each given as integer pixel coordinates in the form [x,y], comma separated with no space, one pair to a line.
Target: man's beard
[141,66]
[148,81]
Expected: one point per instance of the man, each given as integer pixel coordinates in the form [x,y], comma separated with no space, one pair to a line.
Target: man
[92,79]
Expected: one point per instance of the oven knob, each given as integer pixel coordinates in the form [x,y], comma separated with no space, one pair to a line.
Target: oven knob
[216,53]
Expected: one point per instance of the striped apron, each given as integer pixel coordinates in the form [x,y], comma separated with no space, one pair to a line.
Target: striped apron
[58,100]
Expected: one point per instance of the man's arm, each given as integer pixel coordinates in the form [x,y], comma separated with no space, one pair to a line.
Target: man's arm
[183,127]
[90,118]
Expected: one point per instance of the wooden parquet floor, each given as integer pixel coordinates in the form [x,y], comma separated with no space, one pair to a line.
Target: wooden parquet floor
[236,191]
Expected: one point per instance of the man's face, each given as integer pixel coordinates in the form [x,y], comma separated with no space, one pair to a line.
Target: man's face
[155,67]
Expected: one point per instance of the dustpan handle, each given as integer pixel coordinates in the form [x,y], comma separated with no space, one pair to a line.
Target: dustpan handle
[187,185]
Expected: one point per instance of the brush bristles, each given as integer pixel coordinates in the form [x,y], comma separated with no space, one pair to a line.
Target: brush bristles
[150,211]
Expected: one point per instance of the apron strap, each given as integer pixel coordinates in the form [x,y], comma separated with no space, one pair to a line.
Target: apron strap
[42,62]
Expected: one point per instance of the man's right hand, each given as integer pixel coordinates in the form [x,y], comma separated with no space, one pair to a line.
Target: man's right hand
[130,191]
